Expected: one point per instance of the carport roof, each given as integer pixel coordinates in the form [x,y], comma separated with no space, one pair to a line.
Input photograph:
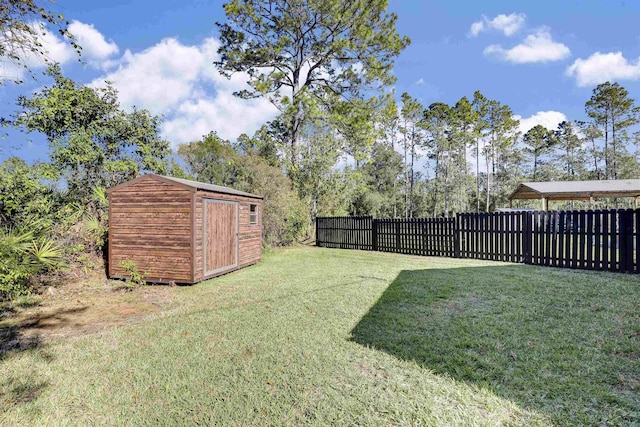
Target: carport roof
[577,190]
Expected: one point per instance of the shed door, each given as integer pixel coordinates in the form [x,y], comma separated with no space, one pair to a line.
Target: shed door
[220,236]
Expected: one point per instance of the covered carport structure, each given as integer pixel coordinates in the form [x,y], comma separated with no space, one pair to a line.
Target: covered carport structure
[576,190]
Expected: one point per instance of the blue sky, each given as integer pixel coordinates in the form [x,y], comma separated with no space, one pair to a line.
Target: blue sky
[542,58]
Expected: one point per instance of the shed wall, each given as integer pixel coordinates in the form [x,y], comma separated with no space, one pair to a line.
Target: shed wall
[150,222]
[249,236]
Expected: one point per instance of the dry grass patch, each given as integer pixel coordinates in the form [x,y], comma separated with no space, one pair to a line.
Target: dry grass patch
[78,308]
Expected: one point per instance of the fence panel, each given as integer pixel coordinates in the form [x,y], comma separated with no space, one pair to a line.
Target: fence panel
[344,232]
[491,236]
[418,236]
[591,240]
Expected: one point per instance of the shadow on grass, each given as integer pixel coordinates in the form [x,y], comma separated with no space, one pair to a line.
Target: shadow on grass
[554,341]
[21,335]
[16,391]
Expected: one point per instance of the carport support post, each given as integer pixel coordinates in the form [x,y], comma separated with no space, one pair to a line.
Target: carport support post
[545,204]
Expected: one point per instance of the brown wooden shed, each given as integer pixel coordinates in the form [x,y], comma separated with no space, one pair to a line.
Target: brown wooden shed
[182,231]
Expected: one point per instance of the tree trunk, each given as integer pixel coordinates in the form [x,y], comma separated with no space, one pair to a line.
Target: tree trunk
[435,187]
[595,158]
[296,124]
[464,199]
[446,186]
[406,182]
[478,174]
[488,163]
[413,153]
[614,159]
[607,171]
[395,207]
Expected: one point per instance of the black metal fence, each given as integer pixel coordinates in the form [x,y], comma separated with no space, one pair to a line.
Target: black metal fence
[590,240]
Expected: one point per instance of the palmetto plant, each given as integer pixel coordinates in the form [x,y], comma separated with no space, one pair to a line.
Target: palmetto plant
[24,252]
[45,253]
[99,196]
[95,229]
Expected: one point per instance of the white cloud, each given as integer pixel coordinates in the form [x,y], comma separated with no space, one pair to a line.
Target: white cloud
[181,83]
[548,119]
[602,67]
[420,81]
[224,113]
[93,43]
[476,28]
[54,48]
[158,78]
[507,24]
[57,49]
[536,47]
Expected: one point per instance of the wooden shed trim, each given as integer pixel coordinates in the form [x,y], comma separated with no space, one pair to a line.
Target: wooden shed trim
[151,176]
[212,188]
[194,197]
[109,234]
[188,185]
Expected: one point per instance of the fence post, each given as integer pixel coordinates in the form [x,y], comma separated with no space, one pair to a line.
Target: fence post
[317,240]
[527,236]
[626,240]
[456,236]
[374,234]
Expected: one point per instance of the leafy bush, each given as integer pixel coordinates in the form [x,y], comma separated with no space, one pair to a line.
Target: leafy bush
[24,192]
[285,218]
[24,253]
[95,231]
[135,277]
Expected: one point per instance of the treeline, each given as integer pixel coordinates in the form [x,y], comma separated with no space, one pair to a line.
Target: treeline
[435,161]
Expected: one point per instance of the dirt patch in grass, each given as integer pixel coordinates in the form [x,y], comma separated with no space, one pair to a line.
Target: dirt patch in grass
[78,308]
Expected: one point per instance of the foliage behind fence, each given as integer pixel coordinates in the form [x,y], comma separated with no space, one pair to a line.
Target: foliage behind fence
[591,240]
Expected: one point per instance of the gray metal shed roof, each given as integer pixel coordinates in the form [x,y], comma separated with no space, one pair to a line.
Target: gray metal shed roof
[210,187]
[577,190]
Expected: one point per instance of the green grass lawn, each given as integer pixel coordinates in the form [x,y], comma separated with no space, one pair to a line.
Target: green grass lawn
[327,336]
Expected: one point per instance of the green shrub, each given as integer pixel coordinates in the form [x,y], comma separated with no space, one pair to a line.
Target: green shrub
[285,218]
[95,231]
[24,253]
[135,277]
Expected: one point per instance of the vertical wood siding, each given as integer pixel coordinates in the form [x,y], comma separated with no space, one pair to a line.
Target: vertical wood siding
[220,236]
[249,236]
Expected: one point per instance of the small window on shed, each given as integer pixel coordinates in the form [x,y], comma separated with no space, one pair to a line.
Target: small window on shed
[253,214]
